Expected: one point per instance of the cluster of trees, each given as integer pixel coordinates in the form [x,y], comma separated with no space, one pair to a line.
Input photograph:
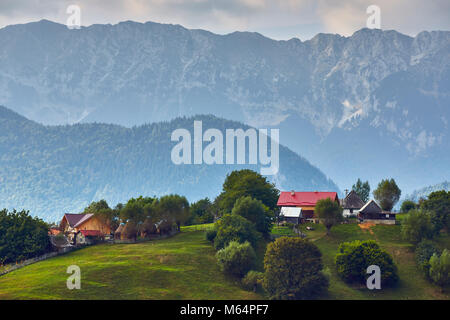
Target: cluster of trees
[424,222]
[22,236]
[247,210]
[201,212]
[144,215]
[387,192]
[427,219]
[362,189]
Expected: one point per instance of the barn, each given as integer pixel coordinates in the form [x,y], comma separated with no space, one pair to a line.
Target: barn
[371,212]
[306,200]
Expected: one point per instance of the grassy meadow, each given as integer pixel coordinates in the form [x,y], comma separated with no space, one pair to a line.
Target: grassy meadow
[184,267]
[181,267]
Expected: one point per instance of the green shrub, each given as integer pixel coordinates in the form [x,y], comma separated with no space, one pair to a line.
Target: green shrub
[236,259]
[253,280]
[440,269]
[354,257]
[293,270]
[424,252]
[232,227]
[417,225]
[254,211]
[211,235]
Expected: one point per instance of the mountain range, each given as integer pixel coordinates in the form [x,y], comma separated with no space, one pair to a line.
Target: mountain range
[373,105]
[423,193]
[52,170]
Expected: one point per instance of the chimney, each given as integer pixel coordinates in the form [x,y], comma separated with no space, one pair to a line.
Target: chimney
[346,192]
[292,193]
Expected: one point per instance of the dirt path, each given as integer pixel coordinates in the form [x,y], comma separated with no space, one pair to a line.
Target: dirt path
[366,226]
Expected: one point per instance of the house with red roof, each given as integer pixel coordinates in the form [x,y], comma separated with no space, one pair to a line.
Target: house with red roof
[306,200]
[88,236]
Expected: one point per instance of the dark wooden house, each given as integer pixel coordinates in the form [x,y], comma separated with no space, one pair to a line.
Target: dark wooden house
[372,212]
[351,204]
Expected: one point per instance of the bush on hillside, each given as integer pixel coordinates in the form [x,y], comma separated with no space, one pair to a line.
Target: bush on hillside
[256,212]
[355,257]
[232,227]
[236,258]
[440,269]
[424,251]
[253,280]
[416,226]
[293,270]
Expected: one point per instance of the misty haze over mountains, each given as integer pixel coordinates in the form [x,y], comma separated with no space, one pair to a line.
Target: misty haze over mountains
[373,105]
[51,170]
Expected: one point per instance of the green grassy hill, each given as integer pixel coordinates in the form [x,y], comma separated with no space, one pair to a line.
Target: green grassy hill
[181,267]
[184,267]
[412,285]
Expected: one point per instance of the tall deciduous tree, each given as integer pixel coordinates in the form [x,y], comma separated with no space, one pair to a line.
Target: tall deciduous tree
[247,183]
[387,194]
[329,213]
[439,203]
[362,189]
[176,207]
[104,213]
[201,212]
[96,206]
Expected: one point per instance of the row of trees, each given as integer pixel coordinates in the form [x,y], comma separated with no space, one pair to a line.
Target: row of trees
[144,215]
[436,206]
[387,192]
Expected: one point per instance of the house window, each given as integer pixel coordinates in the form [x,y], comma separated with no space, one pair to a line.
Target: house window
[387,216]
[351,210]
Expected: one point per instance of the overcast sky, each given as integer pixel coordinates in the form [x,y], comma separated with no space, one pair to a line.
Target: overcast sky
[282,19]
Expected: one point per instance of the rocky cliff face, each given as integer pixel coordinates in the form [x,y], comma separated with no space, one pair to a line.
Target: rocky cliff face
[390,89]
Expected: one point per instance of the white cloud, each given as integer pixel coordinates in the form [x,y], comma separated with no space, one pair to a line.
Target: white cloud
[280,19]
